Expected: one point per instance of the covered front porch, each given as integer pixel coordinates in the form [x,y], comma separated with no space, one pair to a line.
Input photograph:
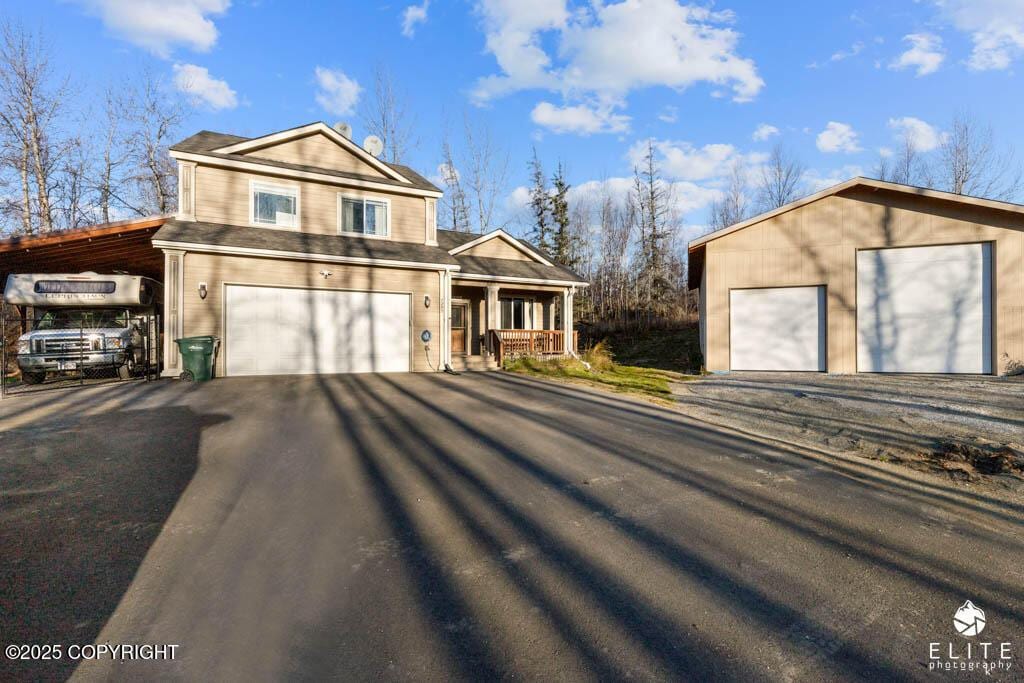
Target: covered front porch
[491,321]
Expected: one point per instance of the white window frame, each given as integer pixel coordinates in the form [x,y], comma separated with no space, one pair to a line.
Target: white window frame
[355,197]
[293,190]
[529,306]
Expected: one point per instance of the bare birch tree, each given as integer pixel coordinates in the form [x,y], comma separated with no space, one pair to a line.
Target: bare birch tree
[780,181]
[32,100]
[154,116]
[387,115]
[485,171]
[970,163]
[454,208]
[735,204]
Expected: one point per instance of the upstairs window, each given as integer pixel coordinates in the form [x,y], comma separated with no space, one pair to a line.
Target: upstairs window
[367,217]
[276,205]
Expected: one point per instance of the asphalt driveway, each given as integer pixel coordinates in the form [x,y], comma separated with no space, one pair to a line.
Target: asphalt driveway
[474,527]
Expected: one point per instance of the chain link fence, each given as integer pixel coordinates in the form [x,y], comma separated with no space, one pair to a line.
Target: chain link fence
[77,347]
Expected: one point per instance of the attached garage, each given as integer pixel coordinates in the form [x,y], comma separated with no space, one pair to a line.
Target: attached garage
[290,330]
[925,309]
[777,328]
[878,277]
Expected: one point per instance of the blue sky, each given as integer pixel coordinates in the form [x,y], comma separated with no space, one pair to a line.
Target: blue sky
[835,82]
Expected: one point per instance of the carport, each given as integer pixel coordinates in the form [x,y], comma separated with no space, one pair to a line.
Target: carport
[122,246]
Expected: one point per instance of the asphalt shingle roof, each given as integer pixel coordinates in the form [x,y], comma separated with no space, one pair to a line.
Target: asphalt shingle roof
[300,242]
[204,142]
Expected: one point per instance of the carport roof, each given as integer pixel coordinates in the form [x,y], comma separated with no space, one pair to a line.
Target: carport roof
[104,248]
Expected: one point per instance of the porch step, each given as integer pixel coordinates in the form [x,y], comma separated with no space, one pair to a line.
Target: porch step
[473,363]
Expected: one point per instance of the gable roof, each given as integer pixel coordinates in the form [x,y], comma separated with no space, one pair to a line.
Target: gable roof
[213,144]
[696,247]
[524,247]
[456,242]
[315,128]
[860,182]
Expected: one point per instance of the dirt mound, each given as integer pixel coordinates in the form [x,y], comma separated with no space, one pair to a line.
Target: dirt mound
[983,456]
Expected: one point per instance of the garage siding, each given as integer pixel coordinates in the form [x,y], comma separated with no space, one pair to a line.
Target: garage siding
[817,244]
[206,316]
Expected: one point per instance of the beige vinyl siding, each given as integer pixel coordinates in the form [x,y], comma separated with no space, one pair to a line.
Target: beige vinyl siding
[222,196]
[206,316]
[317,150]
[497,248]
[816,244]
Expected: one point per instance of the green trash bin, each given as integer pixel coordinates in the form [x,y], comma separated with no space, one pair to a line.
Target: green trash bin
[197,354]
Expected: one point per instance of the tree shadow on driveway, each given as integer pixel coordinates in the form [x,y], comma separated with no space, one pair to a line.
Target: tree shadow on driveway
[82,499]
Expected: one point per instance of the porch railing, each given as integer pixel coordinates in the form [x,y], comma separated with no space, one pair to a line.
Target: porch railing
[514,343]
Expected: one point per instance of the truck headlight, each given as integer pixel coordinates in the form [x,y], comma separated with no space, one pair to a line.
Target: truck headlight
[24,346]
[115,343]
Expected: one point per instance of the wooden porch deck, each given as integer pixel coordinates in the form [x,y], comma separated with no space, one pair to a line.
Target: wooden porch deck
[515,343]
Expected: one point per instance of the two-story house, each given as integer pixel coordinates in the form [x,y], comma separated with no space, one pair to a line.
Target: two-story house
[306,254]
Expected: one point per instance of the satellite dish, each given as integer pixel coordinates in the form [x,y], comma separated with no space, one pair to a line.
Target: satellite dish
[344,129]
[374,145]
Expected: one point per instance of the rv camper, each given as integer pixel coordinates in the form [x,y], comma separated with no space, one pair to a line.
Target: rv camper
[86,322]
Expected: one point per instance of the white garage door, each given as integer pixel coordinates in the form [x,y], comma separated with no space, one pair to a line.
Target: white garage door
[925,309]
[285,331]
[781,328]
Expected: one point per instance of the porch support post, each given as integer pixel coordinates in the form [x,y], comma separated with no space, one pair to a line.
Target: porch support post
[493,314]
[549,324]
[446,300]
[567,300]
[174,325]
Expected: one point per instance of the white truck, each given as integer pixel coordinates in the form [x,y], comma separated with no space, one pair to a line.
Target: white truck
[86,322]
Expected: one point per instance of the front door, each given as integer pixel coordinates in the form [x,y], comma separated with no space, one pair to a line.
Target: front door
[459,328]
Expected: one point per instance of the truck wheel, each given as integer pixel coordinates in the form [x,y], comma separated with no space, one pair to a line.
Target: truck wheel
[127,369]
[33,377]
[187,376]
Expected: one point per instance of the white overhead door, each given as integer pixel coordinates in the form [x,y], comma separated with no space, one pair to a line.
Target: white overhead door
[779,328]
[925,309]
[287,331]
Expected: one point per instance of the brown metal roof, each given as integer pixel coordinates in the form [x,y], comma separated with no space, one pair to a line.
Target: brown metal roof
[105,248]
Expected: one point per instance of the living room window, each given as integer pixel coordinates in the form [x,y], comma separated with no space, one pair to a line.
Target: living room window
[516,314]
[364,217]
[274,205]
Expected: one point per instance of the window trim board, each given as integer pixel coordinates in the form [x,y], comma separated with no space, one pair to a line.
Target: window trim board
[386,201]
[296,190]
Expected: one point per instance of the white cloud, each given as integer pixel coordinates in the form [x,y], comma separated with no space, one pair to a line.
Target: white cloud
[669,114]
[686,197]
[414,14]
[924,136]
[925,54]
[683,161]
[580,119]
[202,88]
[996,28]
[338,94]
[817,180]
[764,131]
[841,55]
[443,173]
[160,25]
[838,137]
[590,53]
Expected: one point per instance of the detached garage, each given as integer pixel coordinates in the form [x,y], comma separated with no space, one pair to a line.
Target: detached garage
[866,276]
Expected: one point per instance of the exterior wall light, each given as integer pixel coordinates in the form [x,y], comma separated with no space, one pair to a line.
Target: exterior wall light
[202,290]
